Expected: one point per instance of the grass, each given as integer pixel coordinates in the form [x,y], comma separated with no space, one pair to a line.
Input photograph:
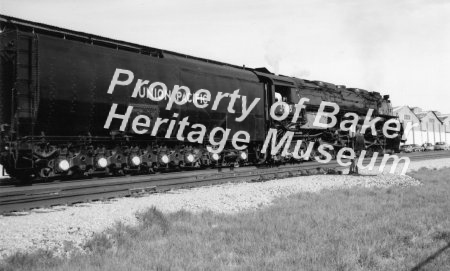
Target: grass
[394,228]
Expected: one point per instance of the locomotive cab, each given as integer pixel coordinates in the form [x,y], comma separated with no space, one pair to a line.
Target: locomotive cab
[288,95]
[282,96]
[283,90]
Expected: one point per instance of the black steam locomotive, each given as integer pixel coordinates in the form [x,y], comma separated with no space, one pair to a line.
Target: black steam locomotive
[73,103]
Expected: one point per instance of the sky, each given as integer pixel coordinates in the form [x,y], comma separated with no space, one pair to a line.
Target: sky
[400,48]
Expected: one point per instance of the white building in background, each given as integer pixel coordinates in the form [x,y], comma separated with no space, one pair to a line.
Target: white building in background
[445,118]
[433,130]
[406,115]
[431,127]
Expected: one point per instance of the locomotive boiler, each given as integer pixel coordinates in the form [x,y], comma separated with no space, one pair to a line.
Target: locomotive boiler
[78,104]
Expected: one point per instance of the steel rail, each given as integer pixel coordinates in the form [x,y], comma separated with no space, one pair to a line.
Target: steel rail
[20,198]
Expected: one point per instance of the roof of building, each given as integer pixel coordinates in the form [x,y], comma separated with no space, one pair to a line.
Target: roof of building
[443,117]
[421,114]
[397,108]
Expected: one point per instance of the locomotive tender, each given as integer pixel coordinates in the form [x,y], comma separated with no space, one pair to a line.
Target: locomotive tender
[74,103]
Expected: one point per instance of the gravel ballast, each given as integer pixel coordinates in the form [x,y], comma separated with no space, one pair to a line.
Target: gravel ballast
[64,229]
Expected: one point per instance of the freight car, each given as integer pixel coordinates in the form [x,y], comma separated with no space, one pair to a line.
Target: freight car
[73,103]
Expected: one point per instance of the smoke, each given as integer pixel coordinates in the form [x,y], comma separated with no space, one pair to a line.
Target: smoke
[301,73]
[274,61]
[281,56]
[371,38]
[273,56]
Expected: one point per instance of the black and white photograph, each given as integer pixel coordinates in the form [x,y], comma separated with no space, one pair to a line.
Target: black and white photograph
[225,135]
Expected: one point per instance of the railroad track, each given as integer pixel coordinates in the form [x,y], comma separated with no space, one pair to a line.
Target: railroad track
[20,198]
